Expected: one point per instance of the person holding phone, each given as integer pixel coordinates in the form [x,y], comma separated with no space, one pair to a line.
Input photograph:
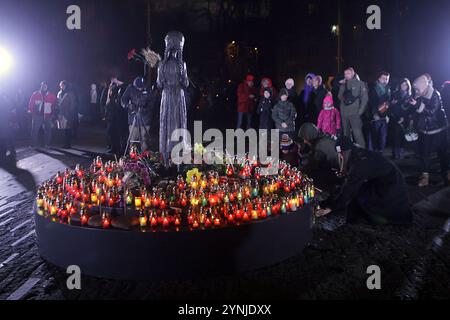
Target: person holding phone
[431,122]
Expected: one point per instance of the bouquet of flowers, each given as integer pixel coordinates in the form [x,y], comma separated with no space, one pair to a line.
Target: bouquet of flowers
[139,169]
[146,56]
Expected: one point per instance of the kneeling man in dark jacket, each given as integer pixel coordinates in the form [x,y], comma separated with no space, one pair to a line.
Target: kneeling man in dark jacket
[374,188]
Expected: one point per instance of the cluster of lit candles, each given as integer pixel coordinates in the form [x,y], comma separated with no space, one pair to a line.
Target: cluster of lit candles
[207,200]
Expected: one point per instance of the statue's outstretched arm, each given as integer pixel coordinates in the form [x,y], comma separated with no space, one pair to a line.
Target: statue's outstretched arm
[184,76]
[160,78]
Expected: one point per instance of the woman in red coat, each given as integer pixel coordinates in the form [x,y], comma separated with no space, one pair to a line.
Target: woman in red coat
[266,83]
[247,96]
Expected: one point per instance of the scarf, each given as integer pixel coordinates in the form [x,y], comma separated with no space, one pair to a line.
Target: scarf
[381,89]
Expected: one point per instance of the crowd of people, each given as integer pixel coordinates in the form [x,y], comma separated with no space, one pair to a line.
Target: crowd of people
[344,127]
[372,117]
[44,111]
[56,116]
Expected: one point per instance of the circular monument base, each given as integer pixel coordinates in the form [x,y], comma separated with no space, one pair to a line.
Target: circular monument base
[131,255]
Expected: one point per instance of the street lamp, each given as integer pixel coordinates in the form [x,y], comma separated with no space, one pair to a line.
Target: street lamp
[5,61]
[334,29]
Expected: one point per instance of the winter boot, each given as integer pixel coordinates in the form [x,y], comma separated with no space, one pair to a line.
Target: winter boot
[424,180]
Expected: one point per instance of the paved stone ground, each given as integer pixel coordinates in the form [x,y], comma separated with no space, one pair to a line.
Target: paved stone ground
[414,260]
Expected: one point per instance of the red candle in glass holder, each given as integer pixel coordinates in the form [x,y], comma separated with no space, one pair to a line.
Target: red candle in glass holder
[274,209]
[263,213]
[213,200]
[239,214]
[106,222]
[153,222]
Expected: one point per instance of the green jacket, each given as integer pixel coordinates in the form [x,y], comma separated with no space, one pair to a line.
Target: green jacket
[323,148]
[359,90]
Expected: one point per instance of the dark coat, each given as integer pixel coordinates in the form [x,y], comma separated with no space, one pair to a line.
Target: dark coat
[319,95]
[432,118]
[264,112]
[292,96]
[376,187]
[402,108]
[132,99]
[6,108]
[113,110]
[306,110]
[67,109]
[284,112]
[376,100]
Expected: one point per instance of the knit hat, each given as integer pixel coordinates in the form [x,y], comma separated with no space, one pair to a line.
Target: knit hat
[328,98]
[310,75]
[249,77]
[343,143]
[289,81]
[284,92]
[309,132]
[285,142]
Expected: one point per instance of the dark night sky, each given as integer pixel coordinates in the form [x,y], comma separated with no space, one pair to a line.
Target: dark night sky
[293,36]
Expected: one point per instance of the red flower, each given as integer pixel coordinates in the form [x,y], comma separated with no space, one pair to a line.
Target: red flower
[131,54]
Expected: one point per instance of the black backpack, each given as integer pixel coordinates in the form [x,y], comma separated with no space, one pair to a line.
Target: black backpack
[348,96]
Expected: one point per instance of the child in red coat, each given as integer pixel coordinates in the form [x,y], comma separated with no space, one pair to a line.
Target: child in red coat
[329,120]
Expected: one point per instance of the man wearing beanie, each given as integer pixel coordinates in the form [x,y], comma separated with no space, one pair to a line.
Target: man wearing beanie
[431,123]
[374,188]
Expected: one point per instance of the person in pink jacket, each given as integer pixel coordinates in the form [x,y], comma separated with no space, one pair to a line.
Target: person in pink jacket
[329,120]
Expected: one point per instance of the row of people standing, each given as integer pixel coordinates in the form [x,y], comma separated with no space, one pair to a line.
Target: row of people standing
[308,105]
[393,114]
[122,105]
[49,110]
[369,117]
